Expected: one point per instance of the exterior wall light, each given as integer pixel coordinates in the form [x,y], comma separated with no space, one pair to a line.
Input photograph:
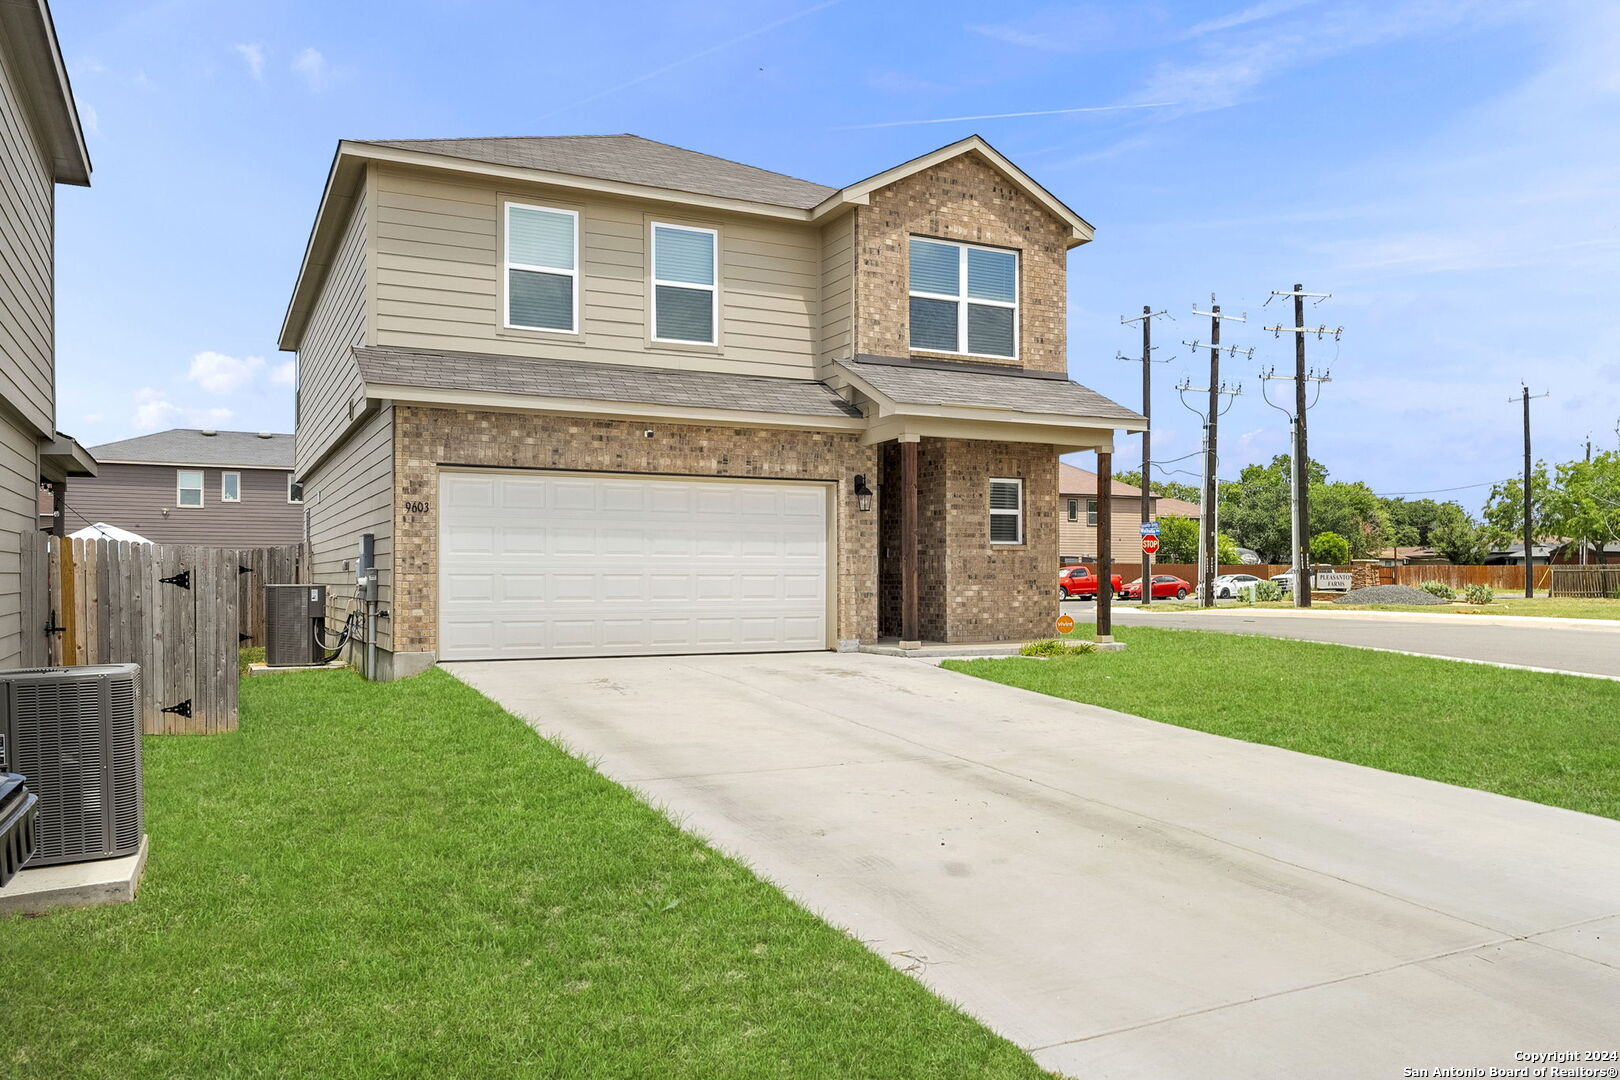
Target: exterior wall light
[863,494]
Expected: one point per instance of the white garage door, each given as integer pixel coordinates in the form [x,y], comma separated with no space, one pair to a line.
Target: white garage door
[540,565]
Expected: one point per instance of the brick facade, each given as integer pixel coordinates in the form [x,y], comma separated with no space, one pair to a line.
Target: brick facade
[426,438]
[971,589]
[960,199]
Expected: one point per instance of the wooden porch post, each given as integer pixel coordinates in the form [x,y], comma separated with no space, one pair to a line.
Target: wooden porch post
[908,540]
[1105,547]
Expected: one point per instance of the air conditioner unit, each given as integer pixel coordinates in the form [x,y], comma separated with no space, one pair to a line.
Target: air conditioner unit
[290,614]
[75,733]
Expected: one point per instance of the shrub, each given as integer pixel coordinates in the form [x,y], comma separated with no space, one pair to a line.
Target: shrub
[1057,647]
[1479,594]
[1268,590]
[1440,589]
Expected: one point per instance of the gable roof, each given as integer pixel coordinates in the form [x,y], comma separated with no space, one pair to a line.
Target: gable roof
[26,26]
[201,446]
[629,159]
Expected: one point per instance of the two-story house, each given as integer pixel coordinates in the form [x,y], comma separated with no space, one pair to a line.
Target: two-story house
[604,396]
[196,486]
[41,146]
[1078,510]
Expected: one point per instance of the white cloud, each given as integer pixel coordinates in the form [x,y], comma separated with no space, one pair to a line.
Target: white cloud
[312,66]
[89,118]
[285,374]
[1063,30]
[221,374]
[154,412]
[253,56]
[1263,10]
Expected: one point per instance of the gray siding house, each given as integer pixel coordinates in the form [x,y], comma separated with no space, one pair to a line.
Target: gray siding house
[195,486]
[41,145]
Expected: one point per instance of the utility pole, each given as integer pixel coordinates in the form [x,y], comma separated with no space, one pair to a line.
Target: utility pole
[1146,319]
[1270,375]
[1208,541]
[1303,577]
[1526,397]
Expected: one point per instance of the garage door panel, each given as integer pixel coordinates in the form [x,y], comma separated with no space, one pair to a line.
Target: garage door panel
[536,565]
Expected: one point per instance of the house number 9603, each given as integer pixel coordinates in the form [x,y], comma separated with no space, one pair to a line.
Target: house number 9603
[417,506]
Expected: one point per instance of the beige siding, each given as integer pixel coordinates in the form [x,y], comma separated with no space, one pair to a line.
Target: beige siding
[328,379]
[27,370]
[19,510]
[350,493]
[439,249]
[1078,539]
[838,289]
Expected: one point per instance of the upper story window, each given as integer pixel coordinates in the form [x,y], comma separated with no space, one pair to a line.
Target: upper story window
[1074,509]
[188,487]
[964,299]
[1091,511]
[295,490]
[683,284]
[230,487]
[542,268]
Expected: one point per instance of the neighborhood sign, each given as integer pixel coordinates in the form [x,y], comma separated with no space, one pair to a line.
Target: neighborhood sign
[1150,528]
[1150,544]
[1333,582]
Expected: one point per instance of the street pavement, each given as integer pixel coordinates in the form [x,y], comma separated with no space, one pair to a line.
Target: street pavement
[1589,646]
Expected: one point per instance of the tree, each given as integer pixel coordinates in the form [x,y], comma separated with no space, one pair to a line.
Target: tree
[1178,541]
[1330,547]
[1353,511]
[1455,535]
[1169,488]
[1583,502]
[1504,509]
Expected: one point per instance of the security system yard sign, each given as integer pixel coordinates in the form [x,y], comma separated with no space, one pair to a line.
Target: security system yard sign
[1150,528]
[1150,543]
[1065,623]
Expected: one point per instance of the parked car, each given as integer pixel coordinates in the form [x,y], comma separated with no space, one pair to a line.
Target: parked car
[1163,586]
[1081,581]
[1227,586]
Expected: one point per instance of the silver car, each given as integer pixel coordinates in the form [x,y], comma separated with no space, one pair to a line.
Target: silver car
[1227,586]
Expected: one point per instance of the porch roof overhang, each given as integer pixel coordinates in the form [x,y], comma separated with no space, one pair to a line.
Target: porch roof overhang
[907,398]
[61,456]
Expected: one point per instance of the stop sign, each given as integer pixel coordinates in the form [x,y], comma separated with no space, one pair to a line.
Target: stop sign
[1150,545]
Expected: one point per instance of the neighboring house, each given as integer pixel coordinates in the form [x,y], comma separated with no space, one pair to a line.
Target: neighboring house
[1513,554]
[602,396]
[41,145]
[1077,516]
[1412,556]
[190,486]
[1592,553]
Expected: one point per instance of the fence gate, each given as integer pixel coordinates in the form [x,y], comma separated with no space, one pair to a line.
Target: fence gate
[1602,582]
[174,609]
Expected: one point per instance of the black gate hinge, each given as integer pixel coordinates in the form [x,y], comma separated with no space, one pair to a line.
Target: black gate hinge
[240,569]
[183,709]
[182,579]
[52,628]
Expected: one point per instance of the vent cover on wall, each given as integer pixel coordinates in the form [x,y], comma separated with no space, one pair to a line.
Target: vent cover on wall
[75,733]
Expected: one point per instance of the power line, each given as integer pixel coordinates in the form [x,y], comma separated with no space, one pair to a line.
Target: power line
[1435,491]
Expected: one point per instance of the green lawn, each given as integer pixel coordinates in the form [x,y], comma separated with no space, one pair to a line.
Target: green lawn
[1548,738]
[403,880]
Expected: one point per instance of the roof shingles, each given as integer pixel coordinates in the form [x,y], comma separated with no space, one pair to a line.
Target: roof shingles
[199,446]
[630,159]
[916,385]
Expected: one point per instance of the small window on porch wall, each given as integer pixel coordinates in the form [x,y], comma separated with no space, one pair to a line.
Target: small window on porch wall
[1006,511]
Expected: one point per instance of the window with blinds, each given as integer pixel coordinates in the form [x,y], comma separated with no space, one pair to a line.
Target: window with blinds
[542,268]
[1006,511]
[684,295]
[964,299]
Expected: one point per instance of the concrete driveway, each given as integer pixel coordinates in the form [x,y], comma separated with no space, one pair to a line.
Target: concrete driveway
[1120,897]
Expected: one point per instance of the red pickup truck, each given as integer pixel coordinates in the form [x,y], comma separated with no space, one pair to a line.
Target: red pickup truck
[1076,581]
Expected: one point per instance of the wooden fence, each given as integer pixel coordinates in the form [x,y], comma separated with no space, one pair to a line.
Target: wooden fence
[1590,581]
[1502,578]
[182,612]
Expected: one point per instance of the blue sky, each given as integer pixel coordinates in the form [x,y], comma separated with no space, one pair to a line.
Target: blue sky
[1447,169]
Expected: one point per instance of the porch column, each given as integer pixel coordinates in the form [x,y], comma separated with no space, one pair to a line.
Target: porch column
[908,540]
[1105,548]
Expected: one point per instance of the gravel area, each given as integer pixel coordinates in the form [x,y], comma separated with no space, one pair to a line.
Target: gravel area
[1389,594]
